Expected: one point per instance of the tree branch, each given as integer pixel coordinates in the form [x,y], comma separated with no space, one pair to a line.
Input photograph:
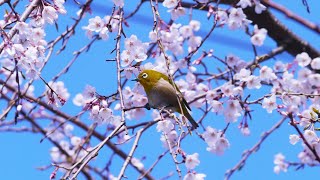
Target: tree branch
[255,148]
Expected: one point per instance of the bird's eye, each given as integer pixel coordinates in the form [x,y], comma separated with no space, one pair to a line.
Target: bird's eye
[144,75]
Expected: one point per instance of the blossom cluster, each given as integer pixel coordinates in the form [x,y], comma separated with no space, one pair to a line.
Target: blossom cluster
[216,141]
[191,161]
[71,145]
[56,92]
[99,108]
[135,50]
[102,26]
[174,37]
[306,156]
[26,50]
[280,164]
[249,3]
[259,35]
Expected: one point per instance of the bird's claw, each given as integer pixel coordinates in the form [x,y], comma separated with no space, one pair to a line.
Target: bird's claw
[147,106]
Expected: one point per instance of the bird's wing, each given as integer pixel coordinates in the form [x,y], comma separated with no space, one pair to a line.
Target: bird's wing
[179,92]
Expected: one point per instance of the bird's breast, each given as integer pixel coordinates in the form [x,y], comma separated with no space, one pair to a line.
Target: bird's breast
[162,95]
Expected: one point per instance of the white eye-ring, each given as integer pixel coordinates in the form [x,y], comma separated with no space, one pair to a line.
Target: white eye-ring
[144,75]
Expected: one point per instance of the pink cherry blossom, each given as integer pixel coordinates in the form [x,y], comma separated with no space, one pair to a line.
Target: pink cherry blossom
[192,161]
[170,3]
[294,139]
[303,59]
[119,3]
[49,14]
[244,3]
[269,103]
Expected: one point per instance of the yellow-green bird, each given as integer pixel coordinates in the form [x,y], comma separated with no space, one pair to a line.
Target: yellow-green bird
[162,93]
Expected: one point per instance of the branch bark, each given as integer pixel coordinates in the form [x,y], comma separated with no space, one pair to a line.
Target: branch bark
[276,30]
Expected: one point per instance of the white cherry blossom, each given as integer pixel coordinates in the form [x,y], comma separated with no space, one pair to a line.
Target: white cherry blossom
[244,3]
[303,59]
[192,161]
[294,139]
[119,3]
[269,103]
[49,14]
[170,3]
[315,64]
[194,176]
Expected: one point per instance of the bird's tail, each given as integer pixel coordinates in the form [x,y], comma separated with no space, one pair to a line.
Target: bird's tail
[189,117]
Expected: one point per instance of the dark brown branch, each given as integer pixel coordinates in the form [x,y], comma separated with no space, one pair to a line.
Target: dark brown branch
[292,16]
[281,34]
[276,30]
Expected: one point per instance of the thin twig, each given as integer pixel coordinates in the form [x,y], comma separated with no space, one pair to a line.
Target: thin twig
[130,155]
[255,148]
[94,152]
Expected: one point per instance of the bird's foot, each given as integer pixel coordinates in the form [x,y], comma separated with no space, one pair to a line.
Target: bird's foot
[147,106]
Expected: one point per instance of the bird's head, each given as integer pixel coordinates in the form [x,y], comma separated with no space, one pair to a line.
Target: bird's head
[149,78]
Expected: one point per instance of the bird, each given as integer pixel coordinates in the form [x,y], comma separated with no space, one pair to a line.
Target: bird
[164,93]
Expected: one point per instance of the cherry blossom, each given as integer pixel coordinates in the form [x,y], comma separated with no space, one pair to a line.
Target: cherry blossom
[75,141]
[49,14]
[305,157]
[259,36]
[136,162]
[267,74]
[135,51]
[269,103]
[57,93]
[194,176]
[243,75]
[232,60]
[119,3]
[237,19]
[280,164]
[294,139]
[203,1]
[211,135]
[244,3]
[170,3]
[96,24]
[310,135]
[303,59]
[314,79]
[192,161]
[259,7]
[253,82]
[222,17]
[153,36]
[195,25]
[165,126]
[227,89]
[245,131]
[217,143]
[177,12]
[172,139]
[59,6]
[315,64]
[216,106]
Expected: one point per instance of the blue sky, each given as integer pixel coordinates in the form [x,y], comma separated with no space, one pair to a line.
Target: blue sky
[22,153]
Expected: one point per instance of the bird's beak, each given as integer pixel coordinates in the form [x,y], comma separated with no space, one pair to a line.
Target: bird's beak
[135,80]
